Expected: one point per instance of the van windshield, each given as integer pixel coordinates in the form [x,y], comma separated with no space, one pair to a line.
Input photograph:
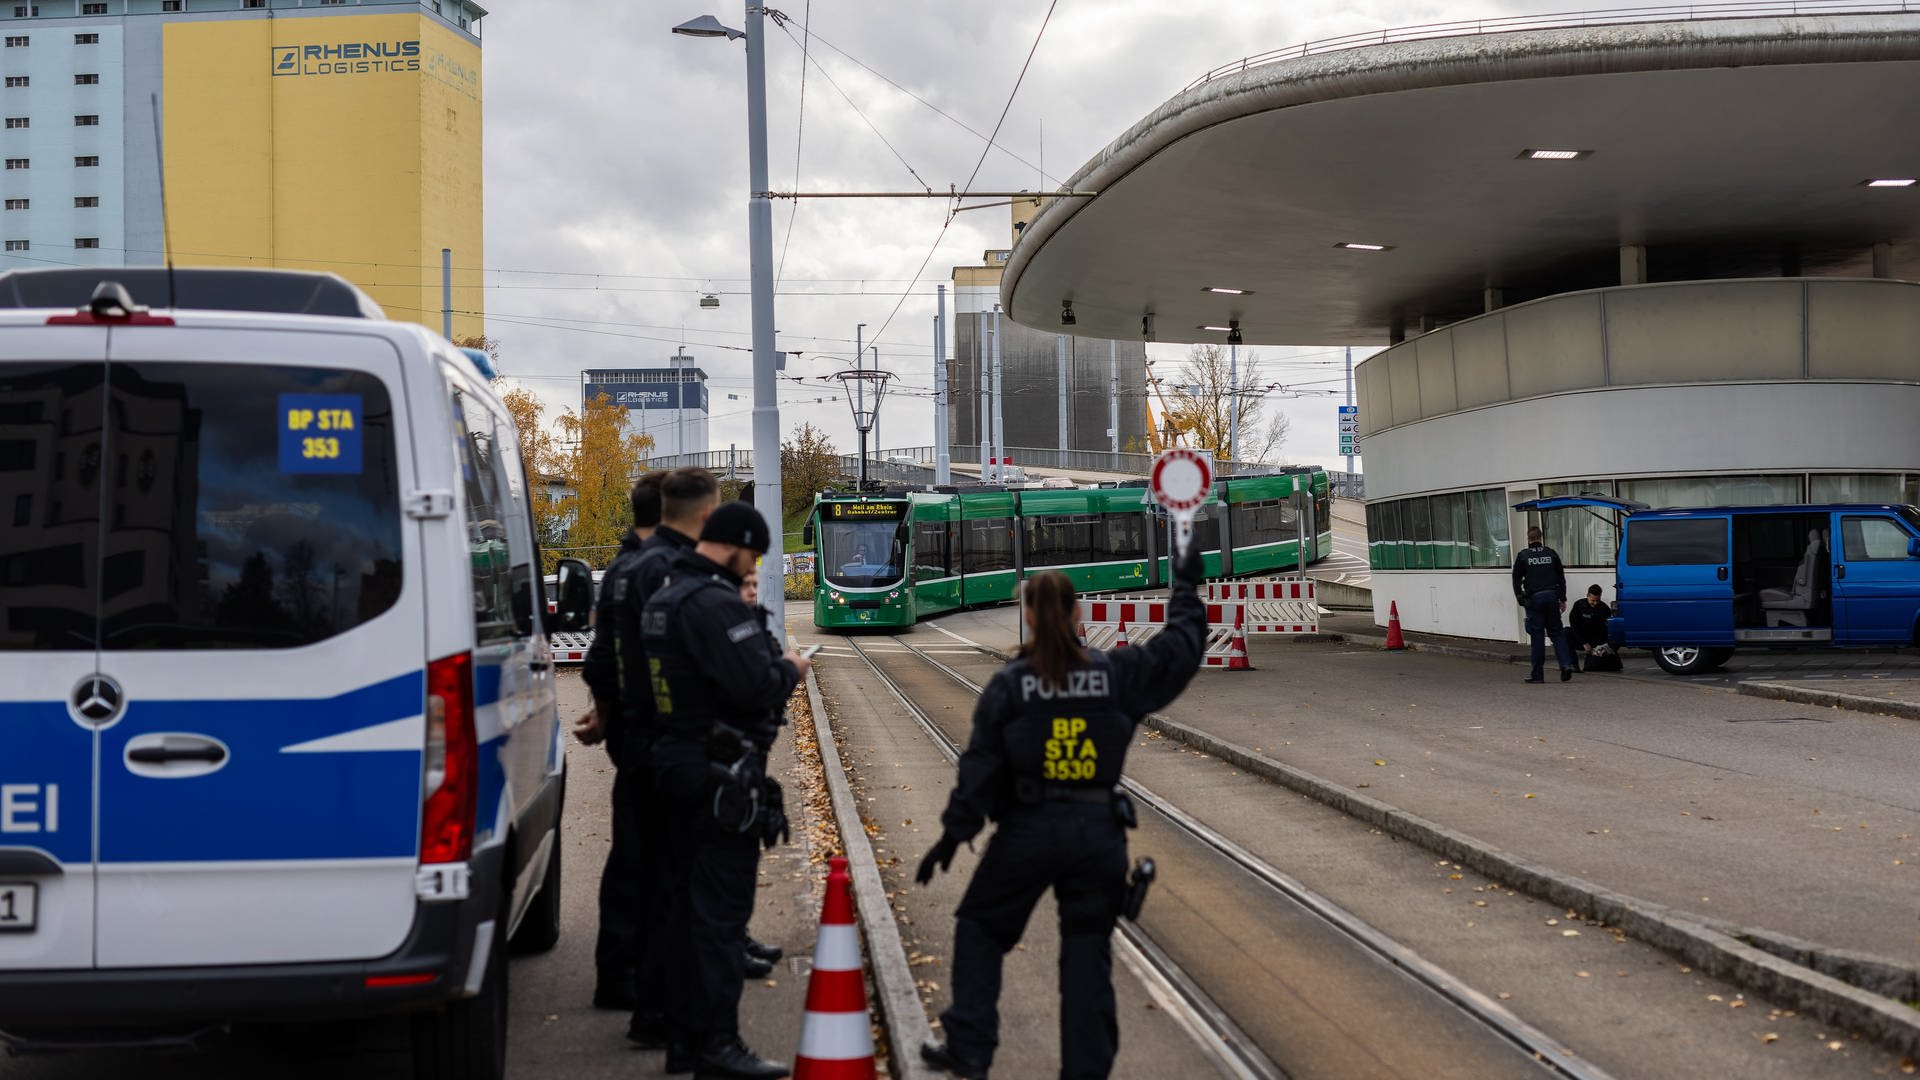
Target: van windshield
[248,506]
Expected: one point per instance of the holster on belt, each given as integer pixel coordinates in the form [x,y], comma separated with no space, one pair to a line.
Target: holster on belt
[1138,883]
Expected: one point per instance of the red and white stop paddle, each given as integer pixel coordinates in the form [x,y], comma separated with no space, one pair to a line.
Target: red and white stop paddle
[1180,482]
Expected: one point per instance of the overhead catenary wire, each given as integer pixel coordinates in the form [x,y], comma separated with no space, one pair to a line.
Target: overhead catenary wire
[858,111]
[799,130]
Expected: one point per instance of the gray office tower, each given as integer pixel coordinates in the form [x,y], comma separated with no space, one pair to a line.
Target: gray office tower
[1030,371]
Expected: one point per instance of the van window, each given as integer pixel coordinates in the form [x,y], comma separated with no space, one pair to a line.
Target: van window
[1872,539]
[489,558]
[1677,542]
[249,506]
[49,488]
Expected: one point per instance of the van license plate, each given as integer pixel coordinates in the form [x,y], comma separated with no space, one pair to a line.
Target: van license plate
[19,906]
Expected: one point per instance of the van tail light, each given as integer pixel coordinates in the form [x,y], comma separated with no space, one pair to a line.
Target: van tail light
[452,762]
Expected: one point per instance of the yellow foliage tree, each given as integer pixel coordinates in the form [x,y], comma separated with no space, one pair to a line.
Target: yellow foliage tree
[807,465]
[543,469]
[597,460]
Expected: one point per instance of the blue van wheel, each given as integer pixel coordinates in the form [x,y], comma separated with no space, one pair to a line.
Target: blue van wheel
[1684,659]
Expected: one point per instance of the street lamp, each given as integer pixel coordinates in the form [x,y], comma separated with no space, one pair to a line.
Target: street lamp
[766,404]
[864,390]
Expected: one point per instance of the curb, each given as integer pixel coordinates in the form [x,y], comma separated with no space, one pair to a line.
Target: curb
[1829,698]
[1716,951]
[1425,647]
[900,1009]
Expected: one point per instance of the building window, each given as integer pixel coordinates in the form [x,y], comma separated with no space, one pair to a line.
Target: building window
[87,120]
[255,3]
[93,9]
[16,204]
[173,5]
[21,11]
[87,161]
[86,241]
[330,3]
[17,122]
[16,81]
[436,7]
[86,80]
[84,201]
[17,245]
[17,41]
[16,163]
[86,39]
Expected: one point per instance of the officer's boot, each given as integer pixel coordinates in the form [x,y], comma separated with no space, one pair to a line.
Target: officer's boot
[770,953]
[726,1056]
[937,1054]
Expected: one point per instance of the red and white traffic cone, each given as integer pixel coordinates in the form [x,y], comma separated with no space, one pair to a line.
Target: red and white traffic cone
[1120,639]
[1237,659]
[836,1035]
[1395,642]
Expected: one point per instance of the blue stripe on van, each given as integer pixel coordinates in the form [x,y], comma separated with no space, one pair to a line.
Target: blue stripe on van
[265,804]
[40,748]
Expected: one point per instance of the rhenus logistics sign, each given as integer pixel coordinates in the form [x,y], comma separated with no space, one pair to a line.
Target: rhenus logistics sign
[348,58]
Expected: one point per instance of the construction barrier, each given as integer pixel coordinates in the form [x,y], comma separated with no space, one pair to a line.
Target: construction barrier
[1235,609]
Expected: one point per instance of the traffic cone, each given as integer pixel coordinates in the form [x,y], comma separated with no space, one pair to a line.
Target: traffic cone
[1120,639]
[1395,642]
[836,1035]
[1237,659]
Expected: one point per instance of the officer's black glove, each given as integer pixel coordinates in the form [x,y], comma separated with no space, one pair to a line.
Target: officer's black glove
[941,856]
[1188,569]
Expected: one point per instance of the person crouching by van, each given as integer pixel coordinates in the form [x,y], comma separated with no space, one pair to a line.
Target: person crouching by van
[1587,633]
[1540,586]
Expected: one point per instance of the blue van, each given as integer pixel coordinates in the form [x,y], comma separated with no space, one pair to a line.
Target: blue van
[1694,584]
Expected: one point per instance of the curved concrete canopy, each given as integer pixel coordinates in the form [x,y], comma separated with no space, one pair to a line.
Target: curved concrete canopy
[1732,148]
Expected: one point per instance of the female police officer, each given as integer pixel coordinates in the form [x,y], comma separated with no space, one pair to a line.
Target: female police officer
[1050,736]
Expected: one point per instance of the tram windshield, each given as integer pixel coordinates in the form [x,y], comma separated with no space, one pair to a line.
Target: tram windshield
[860,543]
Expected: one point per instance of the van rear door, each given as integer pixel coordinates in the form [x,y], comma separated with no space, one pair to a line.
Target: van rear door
[54,480]
[1676,584]
[259,797]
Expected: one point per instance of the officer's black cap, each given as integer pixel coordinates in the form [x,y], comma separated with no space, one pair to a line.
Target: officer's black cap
[739,524]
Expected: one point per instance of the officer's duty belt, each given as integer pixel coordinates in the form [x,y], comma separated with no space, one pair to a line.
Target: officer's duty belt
[1077,794]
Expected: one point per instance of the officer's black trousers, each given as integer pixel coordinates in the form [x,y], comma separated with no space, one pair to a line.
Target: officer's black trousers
[631,885]
[710,878]
[1080,851]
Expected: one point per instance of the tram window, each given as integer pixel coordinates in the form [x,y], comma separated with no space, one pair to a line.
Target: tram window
[988,546]
[1060,540]
[1267,521]
[1125,537]
[930,555]
[1206,528]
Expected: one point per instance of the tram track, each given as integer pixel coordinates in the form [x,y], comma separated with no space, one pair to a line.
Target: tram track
[1272,979]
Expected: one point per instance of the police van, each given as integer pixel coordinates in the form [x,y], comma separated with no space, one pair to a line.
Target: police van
[278,733]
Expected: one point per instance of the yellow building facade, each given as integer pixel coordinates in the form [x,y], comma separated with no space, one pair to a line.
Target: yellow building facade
[350,144]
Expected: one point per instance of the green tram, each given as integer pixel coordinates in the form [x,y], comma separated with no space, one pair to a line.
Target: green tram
[893,558]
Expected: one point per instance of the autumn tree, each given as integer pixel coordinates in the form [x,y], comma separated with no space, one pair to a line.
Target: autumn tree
[542,463]
[597,461]
[808,464]
[1204,407]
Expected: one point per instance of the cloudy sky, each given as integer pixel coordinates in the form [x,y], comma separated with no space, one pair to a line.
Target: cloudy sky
[616,175]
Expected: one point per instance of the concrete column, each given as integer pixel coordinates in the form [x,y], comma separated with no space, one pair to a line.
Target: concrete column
[1633,264]
[1883,260]
[1493,298]
[1428,324]
[1396,332]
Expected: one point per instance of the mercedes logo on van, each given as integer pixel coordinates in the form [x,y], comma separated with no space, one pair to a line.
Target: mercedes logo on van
[97,700]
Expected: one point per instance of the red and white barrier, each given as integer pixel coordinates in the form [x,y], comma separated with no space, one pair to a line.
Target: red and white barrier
[570,648]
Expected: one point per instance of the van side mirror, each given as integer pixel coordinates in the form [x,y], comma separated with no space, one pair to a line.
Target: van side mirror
[806,534]
[573,594]
[1913,547]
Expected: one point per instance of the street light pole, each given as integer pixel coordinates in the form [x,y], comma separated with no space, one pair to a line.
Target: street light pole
[859,403]
[942,455]
[1233,387]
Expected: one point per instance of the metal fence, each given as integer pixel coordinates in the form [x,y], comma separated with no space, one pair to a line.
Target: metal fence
[1564,20]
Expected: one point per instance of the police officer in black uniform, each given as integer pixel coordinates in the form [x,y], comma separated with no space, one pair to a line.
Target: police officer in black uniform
[717,680]
[616,950]
[686,497]
[1540,586]
[1050,736]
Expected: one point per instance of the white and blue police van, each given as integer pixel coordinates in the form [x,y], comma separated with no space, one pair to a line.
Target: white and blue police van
[278,731]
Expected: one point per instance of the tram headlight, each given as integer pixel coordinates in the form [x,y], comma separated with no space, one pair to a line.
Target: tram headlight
[894,595]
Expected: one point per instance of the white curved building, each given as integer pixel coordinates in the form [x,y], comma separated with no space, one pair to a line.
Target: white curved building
[1669,260]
